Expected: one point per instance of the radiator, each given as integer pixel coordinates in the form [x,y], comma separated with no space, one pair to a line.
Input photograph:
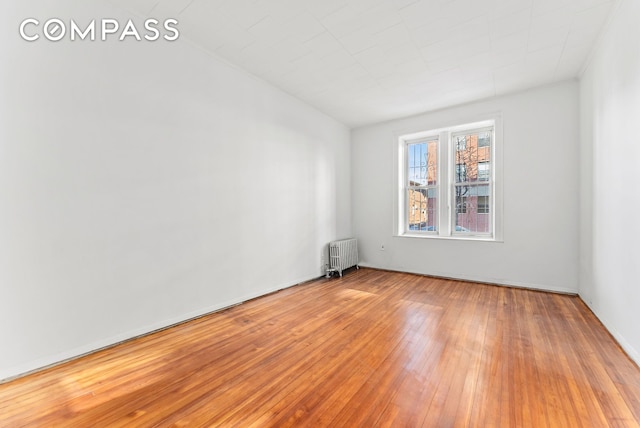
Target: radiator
[343,254]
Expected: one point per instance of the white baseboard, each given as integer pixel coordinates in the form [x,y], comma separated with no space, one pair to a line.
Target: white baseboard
[11,373]
[626,346]
[493,281]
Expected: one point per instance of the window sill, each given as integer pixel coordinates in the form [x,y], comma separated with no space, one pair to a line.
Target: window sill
[450,238]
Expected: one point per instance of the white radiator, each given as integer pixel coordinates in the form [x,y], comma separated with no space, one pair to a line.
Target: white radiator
[343,254]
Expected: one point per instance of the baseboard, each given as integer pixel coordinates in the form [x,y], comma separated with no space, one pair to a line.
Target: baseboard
[492,281]
[63,357]
[631,352]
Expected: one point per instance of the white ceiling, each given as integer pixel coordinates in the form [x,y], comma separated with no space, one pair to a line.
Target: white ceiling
[365,61]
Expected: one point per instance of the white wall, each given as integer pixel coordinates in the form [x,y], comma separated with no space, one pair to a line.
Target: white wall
[540,247]
[145,183]
[610,200]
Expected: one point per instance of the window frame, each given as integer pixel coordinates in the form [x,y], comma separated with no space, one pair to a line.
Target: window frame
[445,182]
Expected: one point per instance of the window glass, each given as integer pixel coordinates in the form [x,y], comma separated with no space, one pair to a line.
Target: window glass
[422,176]
[472,207]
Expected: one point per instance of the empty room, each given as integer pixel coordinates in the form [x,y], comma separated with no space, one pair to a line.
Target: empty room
[322,213]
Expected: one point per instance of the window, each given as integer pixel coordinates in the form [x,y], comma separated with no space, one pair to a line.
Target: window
[448,182]
[422,171]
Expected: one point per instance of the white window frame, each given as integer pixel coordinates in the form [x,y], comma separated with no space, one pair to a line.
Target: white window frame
[446,182]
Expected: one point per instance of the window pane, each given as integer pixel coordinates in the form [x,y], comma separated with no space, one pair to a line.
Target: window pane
[483,205]
[484,139]
[472,156]
[432,162]
[465,156]
[461,173]
[422,163]
[472,209]
[422,210]
[461,204]
[483,171]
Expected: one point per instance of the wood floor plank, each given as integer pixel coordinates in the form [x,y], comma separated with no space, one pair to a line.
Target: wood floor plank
[372,348]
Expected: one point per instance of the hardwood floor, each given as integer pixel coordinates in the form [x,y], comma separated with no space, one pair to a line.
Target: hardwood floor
[372,349]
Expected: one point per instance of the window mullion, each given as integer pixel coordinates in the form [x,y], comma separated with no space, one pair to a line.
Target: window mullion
[444,217]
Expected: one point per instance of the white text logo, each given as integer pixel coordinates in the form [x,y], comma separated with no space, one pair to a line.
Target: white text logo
[55,29]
